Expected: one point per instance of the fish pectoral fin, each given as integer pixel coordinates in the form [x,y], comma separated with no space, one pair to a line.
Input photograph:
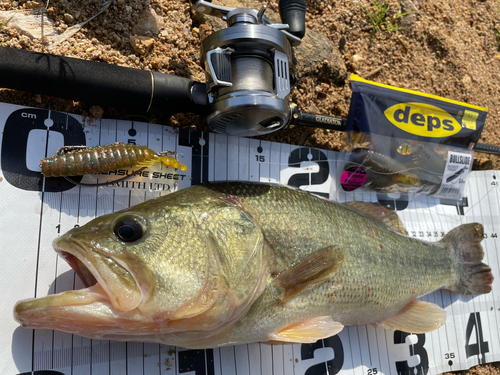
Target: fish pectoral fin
[379,212]
[416,317]
[309,272]
[308,331]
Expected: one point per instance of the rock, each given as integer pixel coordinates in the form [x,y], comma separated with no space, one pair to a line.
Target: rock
[141,44]
[27,24]
[149,23]
[96,112]
[157,63]
[487,165]
[214,23]
[317,53]
[407,22]
[482,164]
[68,18]
[204,31]
[31,5]
[357,58]
[467,81]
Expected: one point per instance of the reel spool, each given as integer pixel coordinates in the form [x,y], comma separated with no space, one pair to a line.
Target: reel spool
[247,71]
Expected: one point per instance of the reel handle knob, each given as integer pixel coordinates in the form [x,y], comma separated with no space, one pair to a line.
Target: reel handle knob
[293,12]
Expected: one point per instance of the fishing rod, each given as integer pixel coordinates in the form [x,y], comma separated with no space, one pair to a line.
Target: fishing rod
[247,67]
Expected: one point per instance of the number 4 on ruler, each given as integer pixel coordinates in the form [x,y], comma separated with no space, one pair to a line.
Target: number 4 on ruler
[481,347]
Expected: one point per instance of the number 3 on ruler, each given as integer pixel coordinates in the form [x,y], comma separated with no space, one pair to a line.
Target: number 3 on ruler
[402,367]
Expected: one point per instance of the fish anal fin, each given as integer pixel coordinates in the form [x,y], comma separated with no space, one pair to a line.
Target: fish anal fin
[416,317]
[308,331]
[309,272]
[388,217]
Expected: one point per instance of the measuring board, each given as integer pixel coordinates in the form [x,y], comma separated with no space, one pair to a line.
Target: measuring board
[34,210]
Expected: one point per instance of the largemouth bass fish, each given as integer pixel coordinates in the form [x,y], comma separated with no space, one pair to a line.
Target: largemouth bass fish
[231,263]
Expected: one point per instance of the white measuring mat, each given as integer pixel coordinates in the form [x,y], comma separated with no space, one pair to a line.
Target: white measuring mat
[34,212]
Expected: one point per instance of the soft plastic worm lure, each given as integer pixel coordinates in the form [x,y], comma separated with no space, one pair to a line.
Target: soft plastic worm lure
[385,169]
[423,156]
[80,160]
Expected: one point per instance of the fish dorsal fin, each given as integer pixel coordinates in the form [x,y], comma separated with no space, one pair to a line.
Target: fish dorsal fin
[381,213]
[416,317]
[308,331]
[309,272]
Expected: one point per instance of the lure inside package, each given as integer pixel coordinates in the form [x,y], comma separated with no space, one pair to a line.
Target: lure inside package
[409,142]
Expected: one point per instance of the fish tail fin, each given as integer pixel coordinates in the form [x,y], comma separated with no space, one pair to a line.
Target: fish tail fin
[475,277]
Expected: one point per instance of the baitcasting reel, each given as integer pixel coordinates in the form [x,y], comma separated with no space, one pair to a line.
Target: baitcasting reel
[247,71]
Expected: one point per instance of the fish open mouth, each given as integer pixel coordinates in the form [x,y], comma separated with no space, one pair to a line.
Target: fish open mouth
[99,270]
[83,272]
[76,256]
[108,302]
[95,288]
[109,286]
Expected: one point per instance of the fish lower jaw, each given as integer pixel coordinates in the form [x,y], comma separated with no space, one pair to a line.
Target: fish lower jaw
[87,312]
[28,312]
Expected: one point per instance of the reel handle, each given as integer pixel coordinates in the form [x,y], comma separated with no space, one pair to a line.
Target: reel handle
[293,13]
[100,83]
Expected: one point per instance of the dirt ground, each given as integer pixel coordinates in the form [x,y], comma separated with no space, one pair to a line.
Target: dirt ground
[448,48]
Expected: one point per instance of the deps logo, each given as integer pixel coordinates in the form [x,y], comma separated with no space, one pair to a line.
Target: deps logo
[423,120]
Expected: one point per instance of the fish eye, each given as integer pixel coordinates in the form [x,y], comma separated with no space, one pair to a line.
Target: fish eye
[128,229]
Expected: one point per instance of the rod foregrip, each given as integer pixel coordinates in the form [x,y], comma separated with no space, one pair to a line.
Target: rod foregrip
[99,83]
[293,13]
[172,94]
